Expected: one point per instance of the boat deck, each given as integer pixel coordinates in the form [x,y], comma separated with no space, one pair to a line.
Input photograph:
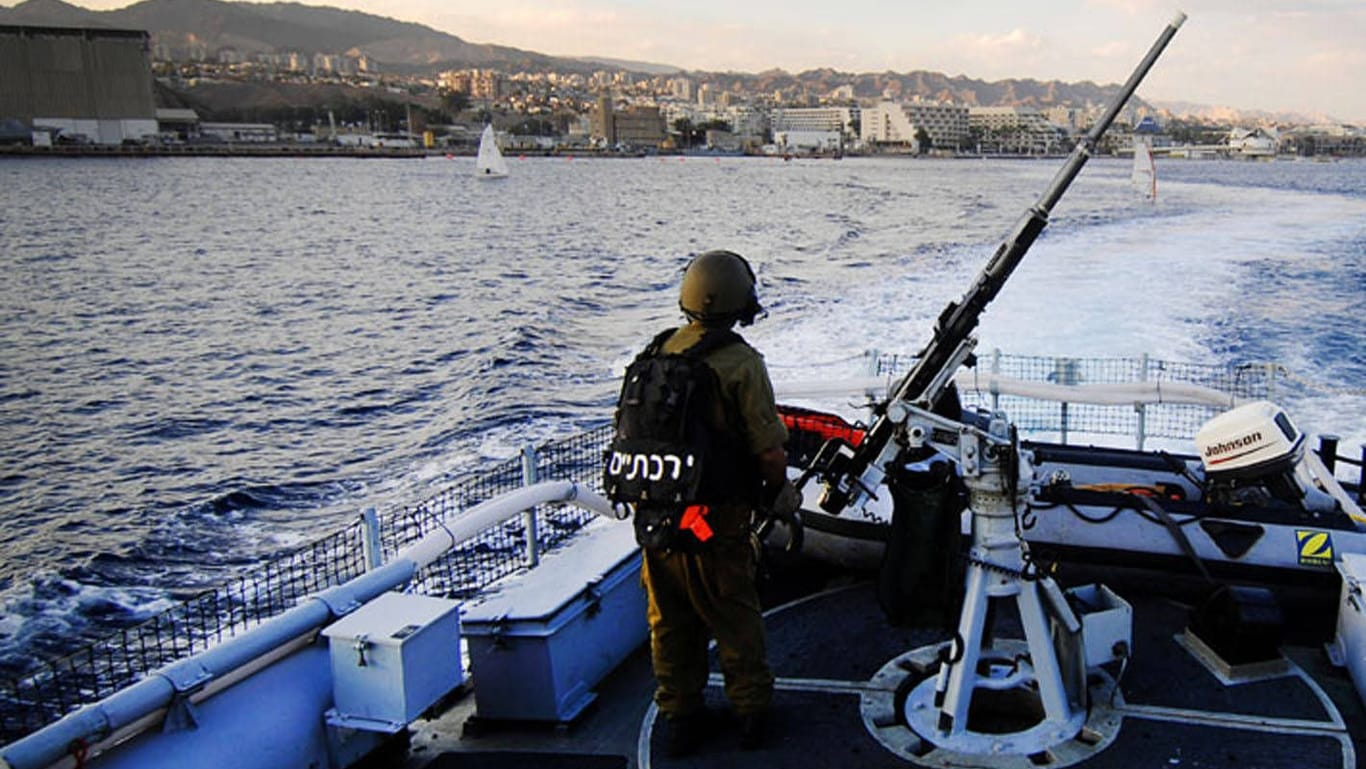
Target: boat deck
[827,649]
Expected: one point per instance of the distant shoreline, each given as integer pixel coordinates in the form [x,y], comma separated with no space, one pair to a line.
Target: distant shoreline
[327,150]
[212,150]
[262,150]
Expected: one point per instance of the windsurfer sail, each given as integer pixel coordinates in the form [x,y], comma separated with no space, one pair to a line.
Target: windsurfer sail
[1145,170]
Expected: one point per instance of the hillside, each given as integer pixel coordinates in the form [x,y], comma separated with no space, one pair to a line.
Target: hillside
[210,25]
[52,13]
[205,27]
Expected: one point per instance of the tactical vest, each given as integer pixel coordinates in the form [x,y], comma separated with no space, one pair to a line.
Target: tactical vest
[673,455]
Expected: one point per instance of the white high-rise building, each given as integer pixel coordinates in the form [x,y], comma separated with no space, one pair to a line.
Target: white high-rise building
[827,119]
[1014,129]
[900,124]
[681,88]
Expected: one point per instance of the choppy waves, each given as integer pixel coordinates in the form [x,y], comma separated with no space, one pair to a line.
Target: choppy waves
[211,360]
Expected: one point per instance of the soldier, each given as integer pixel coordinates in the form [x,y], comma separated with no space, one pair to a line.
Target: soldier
[695,593]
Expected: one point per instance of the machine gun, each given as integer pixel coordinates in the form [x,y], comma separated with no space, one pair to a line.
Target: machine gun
[851,474]
[1049,670]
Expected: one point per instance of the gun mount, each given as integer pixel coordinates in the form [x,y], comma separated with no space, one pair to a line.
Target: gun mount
[1048,673]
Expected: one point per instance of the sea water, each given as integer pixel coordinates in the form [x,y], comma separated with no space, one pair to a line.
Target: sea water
[208,362]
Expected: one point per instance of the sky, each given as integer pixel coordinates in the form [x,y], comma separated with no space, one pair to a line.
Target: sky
[1304,56]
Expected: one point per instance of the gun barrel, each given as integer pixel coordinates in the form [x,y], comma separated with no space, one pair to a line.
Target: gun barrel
[958,319]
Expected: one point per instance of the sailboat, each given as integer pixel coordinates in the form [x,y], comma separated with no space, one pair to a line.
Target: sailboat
[1145,170]
[490,163]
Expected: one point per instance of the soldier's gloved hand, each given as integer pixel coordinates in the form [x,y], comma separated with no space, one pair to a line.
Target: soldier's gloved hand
[786,501]
[783,504]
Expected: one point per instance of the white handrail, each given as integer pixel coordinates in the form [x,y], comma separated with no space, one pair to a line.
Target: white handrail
[471,522]
[976,380]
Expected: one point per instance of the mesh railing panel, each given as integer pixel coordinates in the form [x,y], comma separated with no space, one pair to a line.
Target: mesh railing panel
[501,550]
[104,667]
[1043,418]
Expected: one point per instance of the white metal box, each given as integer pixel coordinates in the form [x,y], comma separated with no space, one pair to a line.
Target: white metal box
[540,641]
[392,659]
[1106,622]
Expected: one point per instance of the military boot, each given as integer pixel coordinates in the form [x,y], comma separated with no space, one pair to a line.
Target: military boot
[683,734]
[753,730]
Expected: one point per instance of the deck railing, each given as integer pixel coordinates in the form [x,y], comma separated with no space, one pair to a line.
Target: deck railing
[102,668]
[1060,420]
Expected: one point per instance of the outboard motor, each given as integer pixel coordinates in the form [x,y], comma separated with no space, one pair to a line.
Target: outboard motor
[1254,454]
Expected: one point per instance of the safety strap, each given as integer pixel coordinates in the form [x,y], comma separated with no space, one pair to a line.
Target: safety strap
[1174,529]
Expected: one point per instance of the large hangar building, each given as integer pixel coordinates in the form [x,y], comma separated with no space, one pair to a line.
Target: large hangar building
[87,82]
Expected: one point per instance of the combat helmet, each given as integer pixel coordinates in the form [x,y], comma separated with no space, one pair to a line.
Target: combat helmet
[718,290]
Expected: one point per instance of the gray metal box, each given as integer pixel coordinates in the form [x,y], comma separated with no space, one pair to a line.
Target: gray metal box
[1106,620]
[392,659]
[542,640]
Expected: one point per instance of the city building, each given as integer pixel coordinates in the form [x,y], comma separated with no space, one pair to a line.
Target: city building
[946,125]
[488,85]
[636,126]
[916,126]
[747,121]
[83,85]
[1253,143]
[240,132]
[600,119]
[639,126]
[1070,119]
[809,141]
[844,93]
[839,120]
[483,84]
[887,126]
[1326,139]
[1021,130]
[178,124]
[682,88]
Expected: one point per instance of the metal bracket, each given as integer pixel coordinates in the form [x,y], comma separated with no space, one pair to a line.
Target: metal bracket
[186,679]
[339,605]
[498,631]
[342,721]
[181,715]
[593,595]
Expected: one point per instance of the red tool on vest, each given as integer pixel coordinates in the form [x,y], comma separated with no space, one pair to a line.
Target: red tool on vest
[695,520]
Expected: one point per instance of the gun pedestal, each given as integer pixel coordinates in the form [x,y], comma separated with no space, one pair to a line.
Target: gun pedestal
[999,696]
[1039,684]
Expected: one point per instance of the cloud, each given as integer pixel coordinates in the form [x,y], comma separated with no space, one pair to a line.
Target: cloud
[987,55]
[1126,7]
[1114,49]
[1011,43]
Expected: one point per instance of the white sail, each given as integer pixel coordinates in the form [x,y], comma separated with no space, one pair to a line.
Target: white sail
[1145,170]
[490,163]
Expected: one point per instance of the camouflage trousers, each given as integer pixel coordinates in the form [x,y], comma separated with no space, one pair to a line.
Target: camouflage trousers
[693,597]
